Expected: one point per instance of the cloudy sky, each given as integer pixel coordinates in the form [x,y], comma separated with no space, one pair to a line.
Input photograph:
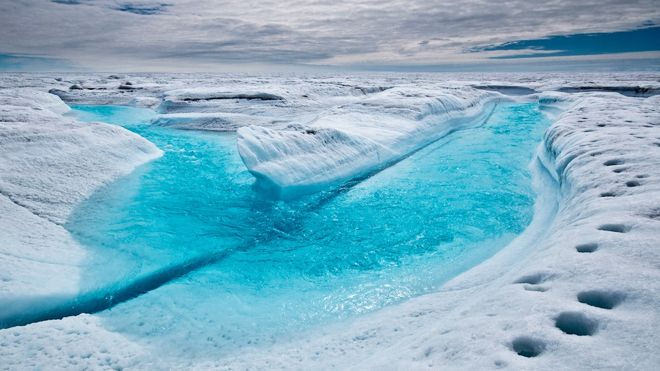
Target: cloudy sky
[191,35]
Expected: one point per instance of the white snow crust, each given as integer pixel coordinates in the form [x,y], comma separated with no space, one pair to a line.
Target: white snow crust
[48,164]
[73,343]
[593,242]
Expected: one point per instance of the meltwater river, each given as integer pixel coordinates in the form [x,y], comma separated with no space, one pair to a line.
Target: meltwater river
[250,270]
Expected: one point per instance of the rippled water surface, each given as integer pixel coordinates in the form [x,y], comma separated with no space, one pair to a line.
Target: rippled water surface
[272,268]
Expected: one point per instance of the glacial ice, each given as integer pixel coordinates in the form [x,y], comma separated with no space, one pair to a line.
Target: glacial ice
[354,139]
[601,154]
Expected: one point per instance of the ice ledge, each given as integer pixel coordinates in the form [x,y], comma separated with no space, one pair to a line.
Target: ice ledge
[48,164]
[349,141]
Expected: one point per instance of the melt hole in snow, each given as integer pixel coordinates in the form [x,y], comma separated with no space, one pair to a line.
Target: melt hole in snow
[527,346]
[533,279]
[601,298]
[618,228]
[576,323]
[587,247]
[613,162]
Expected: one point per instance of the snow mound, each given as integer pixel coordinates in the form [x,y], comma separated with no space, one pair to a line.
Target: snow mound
[147,102]
[48,164]
[353,139]
[31,100]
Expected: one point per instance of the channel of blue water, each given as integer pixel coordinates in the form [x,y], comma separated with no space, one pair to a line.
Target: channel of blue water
[273,268]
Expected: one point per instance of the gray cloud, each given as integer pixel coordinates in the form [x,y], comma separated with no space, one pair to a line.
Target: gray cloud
[140,8]
[108,33]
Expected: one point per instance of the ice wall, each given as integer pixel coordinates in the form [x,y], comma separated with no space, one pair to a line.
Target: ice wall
[350,140]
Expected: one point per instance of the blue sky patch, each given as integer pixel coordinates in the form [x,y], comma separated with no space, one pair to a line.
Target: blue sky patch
[142,9]
[19,62]
[639,40]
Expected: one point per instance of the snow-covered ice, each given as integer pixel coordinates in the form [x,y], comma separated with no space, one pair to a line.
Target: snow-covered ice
[579,289]
[49,164]
[353,139]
